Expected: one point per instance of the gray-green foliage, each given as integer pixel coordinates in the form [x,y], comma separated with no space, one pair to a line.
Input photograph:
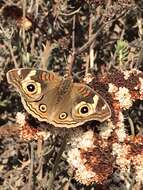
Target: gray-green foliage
[121,51]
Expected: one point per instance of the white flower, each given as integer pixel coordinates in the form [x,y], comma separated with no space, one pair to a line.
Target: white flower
[124,97]
[20,118]
[126,74]
[141,85]
[121,117]
[77,164]
[120,129]
[121,152]
[112,88]
[105,131]
[82,139]
[74,158]
[79,140]
[121,133]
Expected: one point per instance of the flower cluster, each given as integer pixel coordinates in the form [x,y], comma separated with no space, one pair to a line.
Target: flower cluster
[93,158]
[90,158]
[27,132]
[91,162]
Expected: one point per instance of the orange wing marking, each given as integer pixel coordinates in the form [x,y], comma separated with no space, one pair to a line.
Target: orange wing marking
[43,76]
[84,91]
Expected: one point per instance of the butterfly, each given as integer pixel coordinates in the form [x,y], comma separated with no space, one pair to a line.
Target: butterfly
[58,100]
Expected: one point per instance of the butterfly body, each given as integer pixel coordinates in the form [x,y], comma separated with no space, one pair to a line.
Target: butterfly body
[58,100]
